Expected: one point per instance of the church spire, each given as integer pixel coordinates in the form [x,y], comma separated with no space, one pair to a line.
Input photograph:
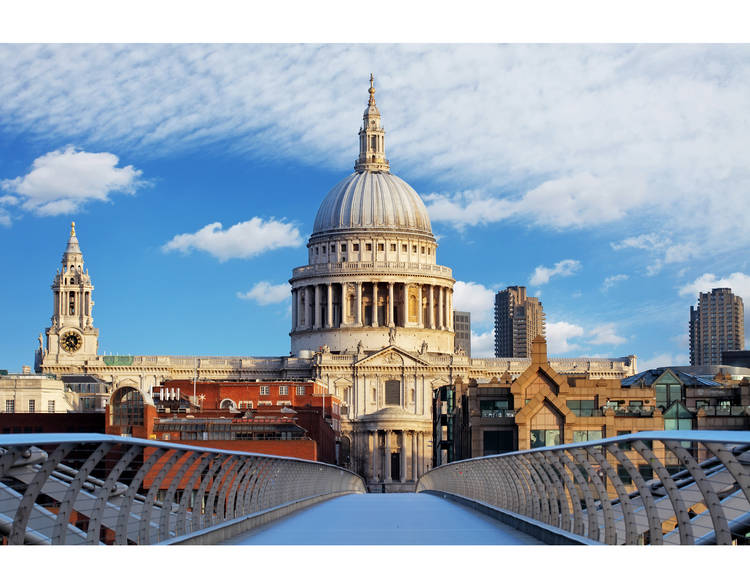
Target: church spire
[371,138]
[72,247]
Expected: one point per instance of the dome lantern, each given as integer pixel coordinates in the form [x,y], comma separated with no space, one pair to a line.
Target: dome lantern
[371,139]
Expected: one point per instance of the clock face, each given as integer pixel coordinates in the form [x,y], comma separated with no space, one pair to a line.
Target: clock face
[71,341]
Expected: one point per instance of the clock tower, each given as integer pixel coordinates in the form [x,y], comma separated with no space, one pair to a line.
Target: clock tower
[72,338]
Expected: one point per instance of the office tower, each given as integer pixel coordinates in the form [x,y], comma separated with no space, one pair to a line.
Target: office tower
[462,329]
[717,324]
[518,320]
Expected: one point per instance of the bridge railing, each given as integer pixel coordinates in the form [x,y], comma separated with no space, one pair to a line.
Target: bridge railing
[669,487]
[102,489]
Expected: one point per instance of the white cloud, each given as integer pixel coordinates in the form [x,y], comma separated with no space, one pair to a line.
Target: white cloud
[663,360]
[477,299]
[62,181]
[564,268]
[612,280]
[558,334]
[264,293]
[572,136]
[737,281]
[242,240]
[604,334]
[483,344]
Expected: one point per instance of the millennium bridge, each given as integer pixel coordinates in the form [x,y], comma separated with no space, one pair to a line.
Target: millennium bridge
[651,488]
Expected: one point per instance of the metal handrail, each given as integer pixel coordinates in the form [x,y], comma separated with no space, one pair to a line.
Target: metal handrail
[105,489]
[653,487]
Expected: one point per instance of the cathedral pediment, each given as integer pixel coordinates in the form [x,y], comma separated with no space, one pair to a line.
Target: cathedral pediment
[392,356]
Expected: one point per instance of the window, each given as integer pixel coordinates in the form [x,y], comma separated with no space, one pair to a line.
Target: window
[393,392]
[265,390]
[324,249]
[428,251]
[374,395]
[393,247]
[10,406]
[316,250]
[381,247]
[404,247]
[646,471]
[283,390]
[544,437]
[50,406]
[333,247]
[343,247]
[265,403]
[368,247]
[127,407]
[624,446]
[581,408]
[586,435]
[493,408]
[32,406]
[624,475]
[423,249]
[246,404]
[355,247]
[414,249]
[300,391]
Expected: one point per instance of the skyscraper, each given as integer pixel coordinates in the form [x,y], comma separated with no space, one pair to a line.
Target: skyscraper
[518,320]
[462,329]
[717,324]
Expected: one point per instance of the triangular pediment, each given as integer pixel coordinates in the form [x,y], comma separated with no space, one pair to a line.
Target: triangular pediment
[392,356]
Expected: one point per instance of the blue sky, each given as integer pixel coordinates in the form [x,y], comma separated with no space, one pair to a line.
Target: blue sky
[611,180]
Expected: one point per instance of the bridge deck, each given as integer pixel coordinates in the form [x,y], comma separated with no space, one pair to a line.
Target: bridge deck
[396,519]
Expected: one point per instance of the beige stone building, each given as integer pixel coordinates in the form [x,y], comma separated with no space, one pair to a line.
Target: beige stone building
[518,320]
[372,318]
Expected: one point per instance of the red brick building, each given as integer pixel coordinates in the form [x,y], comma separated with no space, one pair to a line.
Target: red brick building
[286,418]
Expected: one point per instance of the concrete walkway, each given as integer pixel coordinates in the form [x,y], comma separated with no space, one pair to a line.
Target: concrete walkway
[385,519]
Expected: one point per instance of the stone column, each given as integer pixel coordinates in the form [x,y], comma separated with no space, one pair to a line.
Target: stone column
[441,309]
[316,290]
[329,309]
[391,321]
[402,457]
[375,304]
[431,304]
[406,304]
[414,475]
[420,312]
[387,457]
[309,311]
[370,473]
[300,308]
[358,316]
[420,453]
[294,309]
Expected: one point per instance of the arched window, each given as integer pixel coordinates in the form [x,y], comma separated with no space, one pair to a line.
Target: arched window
[127,407]
[227,404]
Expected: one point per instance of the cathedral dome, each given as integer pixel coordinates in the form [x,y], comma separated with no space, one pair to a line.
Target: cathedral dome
[372,197]
[372,200]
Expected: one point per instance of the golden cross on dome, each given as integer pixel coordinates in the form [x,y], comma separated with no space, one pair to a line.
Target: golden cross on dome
[372,90]
[73,228]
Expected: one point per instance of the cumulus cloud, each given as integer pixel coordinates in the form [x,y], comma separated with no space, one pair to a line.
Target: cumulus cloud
[572,136]
[264,293]
[62,181]
[737,281]
[477,299]
[483,344]
[604,334]
[564,268]
[558,334]
[663,360]
[242,240]
[613,280]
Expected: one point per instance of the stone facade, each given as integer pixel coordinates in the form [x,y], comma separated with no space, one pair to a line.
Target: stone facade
[372,319]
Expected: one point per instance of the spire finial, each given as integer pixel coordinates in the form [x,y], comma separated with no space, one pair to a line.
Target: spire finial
[372,90]
[73,228]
